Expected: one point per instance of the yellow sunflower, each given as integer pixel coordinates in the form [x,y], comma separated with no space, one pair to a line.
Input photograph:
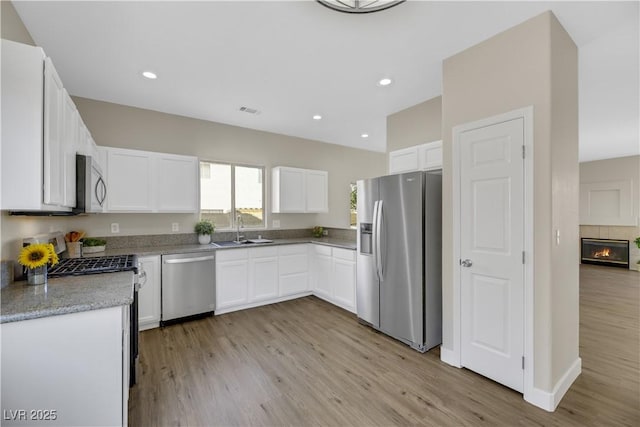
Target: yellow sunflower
[37,255]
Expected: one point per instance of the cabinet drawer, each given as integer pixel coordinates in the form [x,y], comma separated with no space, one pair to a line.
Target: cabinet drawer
[322,250]
[345,254]
[232,254]
[268,252]
[292,249]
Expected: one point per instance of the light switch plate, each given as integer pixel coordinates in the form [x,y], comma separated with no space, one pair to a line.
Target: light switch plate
[276,223]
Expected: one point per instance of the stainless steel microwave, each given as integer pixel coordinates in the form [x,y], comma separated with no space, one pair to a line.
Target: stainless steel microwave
[91,187]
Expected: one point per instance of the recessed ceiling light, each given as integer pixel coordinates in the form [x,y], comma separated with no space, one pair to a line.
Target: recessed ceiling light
[317,117]
[365,135]
[385,82]
[149,75]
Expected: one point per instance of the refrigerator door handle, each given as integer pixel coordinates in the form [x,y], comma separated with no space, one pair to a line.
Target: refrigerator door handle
[379,261]
[374,239]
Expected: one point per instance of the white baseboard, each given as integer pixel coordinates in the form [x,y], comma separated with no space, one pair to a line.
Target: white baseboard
[450,357]
[549,400]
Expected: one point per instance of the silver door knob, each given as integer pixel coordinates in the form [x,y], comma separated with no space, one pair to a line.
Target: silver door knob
[466,263]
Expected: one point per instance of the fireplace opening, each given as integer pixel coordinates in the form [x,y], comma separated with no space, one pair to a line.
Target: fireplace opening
[614,253]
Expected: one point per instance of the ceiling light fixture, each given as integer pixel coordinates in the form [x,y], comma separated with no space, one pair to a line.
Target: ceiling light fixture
[359,6]
[365,135]
[317,117]
[385,81]
[150,75]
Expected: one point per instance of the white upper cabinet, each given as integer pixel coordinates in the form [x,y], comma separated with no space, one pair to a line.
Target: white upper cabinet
[129,181]
[298,190]
[420,157]
[317,191]
[430,156]
[41,132]
[53,136]
[405,160]
[144,181]
[177,177]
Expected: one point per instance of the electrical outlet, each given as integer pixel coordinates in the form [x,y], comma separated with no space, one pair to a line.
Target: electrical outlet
[175,226]
[115,227]
[276,223]
[325,232]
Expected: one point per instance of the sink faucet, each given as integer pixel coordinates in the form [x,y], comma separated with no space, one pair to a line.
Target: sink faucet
[239,225]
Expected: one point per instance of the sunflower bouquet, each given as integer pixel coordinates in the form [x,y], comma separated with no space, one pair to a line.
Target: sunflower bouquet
[35,258]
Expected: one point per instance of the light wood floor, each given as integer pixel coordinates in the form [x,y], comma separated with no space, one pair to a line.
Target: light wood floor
[308,363]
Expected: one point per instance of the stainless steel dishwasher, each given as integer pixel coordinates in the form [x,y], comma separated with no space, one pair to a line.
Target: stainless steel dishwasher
[188,285]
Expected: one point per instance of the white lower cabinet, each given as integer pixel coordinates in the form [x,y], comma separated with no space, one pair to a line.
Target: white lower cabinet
[263,274]
[67,370]
[250,277]
[232,278]
[293,265]
[149,294]
[333,275]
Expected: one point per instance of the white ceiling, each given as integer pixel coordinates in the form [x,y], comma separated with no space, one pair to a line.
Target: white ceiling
[293,59]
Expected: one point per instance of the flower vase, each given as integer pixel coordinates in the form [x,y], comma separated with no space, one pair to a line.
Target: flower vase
[204,239]
[37,276]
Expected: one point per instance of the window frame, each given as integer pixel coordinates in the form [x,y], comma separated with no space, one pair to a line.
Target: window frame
[233,193]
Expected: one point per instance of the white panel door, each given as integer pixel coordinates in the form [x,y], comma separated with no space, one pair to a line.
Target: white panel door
[405,160]
[491,248]
[129,175]
[149,294]
[263,278]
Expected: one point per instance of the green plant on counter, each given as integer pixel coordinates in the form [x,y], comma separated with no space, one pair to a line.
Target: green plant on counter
[637,242]
[92,241]
[317,231]
[204,227]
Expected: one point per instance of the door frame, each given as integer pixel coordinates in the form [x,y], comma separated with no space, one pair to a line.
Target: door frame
[453,356]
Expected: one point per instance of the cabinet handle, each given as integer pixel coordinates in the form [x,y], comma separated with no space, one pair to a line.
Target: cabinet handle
[187,260]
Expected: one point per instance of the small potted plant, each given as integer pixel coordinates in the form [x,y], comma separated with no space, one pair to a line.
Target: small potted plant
[638,245]
[91,245]
[204,229]
[36,257]
[317,231]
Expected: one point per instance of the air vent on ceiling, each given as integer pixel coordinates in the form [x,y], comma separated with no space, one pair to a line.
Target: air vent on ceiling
[249,110]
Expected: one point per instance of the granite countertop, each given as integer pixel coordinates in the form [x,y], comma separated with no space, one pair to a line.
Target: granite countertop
[65,295]
[177,249]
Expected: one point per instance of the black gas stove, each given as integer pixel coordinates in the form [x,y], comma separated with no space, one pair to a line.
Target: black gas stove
[94,265]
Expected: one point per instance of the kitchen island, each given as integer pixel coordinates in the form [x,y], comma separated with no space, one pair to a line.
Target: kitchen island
[65,351]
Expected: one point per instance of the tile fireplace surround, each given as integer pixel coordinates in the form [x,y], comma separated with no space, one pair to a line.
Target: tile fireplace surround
[615,232]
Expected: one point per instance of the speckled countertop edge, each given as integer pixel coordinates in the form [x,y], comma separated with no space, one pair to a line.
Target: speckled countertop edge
[65,295]
[177,249]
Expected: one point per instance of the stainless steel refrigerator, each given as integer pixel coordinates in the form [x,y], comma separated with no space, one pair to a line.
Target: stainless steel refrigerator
[399,272]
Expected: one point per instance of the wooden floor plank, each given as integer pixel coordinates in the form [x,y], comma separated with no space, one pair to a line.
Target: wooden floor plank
[308,363]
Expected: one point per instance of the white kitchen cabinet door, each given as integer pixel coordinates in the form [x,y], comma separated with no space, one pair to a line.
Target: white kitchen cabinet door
[68,150]
[344,278]
[405,160]
[320,280]
[129,181]
[149,294]
[317,194]
[288,190]
[263,274]
[177,183]
[293,267]
[232,278]
[430,155]
[53,134]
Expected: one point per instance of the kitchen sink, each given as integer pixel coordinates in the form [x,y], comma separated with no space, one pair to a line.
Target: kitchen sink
[229,243]
[232,243]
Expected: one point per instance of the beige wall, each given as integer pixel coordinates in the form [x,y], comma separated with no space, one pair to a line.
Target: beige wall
[12,26]
[534,63]
[415,125]
[127,127]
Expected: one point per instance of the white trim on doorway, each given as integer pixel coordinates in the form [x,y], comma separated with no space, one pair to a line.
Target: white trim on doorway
[452,355]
